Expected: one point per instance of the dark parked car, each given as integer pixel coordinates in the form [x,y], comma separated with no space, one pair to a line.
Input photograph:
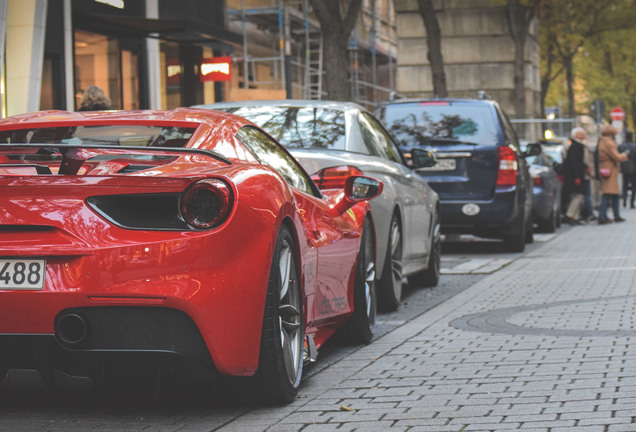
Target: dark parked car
[481,174]
[546,190]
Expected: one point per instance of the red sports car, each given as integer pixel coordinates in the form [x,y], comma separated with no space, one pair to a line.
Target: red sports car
[186,242]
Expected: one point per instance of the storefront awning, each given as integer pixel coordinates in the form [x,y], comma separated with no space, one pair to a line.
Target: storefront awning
[177,30]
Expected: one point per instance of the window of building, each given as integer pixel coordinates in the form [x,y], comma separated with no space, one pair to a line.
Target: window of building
[101,60]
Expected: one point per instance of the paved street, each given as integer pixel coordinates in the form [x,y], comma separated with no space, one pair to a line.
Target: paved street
[539,341]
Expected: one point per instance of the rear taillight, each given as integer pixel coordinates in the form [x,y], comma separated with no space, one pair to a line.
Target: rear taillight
[206,204]
[508,165]
[335,177]
[538,181]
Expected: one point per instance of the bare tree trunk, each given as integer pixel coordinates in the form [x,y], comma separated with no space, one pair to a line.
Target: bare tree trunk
[335,62]
[336,30]
[519,18]
[568,63]
[434,42]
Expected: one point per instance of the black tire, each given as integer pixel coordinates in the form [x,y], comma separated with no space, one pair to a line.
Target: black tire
[430,277]
[390,288]
[359,327]
[280,363]
[559,215]
[549,224]
[515,242]
[530,230]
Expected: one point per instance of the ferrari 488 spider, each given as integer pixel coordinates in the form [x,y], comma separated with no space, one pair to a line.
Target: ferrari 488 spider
[183,243]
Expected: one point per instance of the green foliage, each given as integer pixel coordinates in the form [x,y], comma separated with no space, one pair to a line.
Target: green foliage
[607,67]
[579,34]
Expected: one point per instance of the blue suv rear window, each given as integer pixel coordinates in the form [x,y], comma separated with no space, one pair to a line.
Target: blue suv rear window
[417,124]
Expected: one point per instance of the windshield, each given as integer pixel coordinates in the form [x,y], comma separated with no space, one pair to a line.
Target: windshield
[299,127]
[124,135]
[417,125]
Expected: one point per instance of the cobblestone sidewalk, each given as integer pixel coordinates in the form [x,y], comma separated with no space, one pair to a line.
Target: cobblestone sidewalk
[544,344]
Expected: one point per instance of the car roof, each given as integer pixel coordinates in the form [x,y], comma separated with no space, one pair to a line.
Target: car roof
[184,117]
[450,100]
[329,104]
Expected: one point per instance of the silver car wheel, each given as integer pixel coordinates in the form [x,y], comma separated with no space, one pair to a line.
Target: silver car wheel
[289,313]
[396,257]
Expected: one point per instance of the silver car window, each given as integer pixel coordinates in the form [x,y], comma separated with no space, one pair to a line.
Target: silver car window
[378,138]
[268,152]
[299,127]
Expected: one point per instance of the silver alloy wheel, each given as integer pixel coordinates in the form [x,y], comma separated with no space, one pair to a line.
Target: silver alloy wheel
[289,308]
[369,280]
[396,258]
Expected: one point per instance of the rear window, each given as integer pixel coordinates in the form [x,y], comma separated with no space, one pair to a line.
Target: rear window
[418,124]
[298,127]
[124,135]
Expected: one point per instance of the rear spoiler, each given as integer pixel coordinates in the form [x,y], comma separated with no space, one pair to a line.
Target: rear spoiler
[74,156]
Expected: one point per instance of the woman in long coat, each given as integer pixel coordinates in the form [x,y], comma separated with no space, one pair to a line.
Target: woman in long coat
[609,159]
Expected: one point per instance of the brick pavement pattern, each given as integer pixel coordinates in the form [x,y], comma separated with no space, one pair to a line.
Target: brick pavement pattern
[545,344]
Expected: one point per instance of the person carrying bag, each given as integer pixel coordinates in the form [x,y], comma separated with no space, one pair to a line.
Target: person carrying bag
[609,160]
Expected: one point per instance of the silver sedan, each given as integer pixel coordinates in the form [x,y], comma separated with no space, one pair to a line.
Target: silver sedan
[322,134]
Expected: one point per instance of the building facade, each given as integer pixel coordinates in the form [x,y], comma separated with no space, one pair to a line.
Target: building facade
[477,49]
[162,54]
[142,53]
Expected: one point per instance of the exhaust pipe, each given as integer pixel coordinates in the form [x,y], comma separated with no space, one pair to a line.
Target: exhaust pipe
[72,329]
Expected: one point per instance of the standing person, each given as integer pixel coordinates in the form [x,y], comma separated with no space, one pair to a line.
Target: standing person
[94,99]
[590,176]
[609,160]
[628,169]
[574,175]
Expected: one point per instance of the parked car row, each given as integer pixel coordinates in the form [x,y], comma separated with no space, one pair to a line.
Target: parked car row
[233,240]
[405,217]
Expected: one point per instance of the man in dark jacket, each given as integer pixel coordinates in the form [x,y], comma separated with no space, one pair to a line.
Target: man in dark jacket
[628,169]
[574,175]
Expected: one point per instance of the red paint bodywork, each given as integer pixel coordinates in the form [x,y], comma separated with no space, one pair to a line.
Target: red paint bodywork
[217,277]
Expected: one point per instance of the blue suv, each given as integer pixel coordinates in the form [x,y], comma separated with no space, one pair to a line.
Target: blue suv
[481,175]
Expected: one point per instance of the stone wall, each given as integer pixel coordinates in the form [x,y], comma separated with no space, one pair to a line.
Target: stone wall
[477,49]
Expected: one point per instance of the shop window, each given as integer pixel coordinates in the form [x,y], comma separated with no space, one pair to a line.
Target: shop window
[171,76]
[100,61]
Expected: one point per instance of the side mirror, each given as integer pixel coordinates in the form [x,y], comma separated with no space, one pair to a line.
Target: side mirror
[345,185]
[422,158]
[533,149]
[360,188]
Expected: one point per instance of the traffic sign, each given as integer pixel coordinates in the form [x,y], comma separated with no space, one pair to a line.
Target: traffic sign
[617,114]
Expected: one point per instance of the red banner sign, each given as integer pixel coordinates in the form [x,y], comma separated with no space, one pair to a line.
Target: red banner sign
[215,69]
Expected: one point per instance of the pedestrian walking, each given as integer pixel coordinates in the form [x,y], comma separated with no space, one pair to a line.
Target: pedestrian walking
[587,210]
[94,99]
[574,175]
[628,169]
[609,160]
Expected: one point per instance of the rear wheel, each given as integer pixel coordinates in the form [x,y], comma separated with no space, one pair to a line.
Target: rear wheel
[516,242]
[359,327]
[549,224]
[530,229]
[390,292]
[430,277]
[281,354]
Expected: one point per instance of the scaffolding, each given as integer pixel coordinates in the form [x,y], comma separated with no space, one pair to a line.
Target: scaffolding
[283,50]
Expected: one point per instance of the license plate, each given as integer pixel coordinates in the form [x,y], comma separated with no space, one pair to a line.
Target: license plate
[22,274]
[441,165]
